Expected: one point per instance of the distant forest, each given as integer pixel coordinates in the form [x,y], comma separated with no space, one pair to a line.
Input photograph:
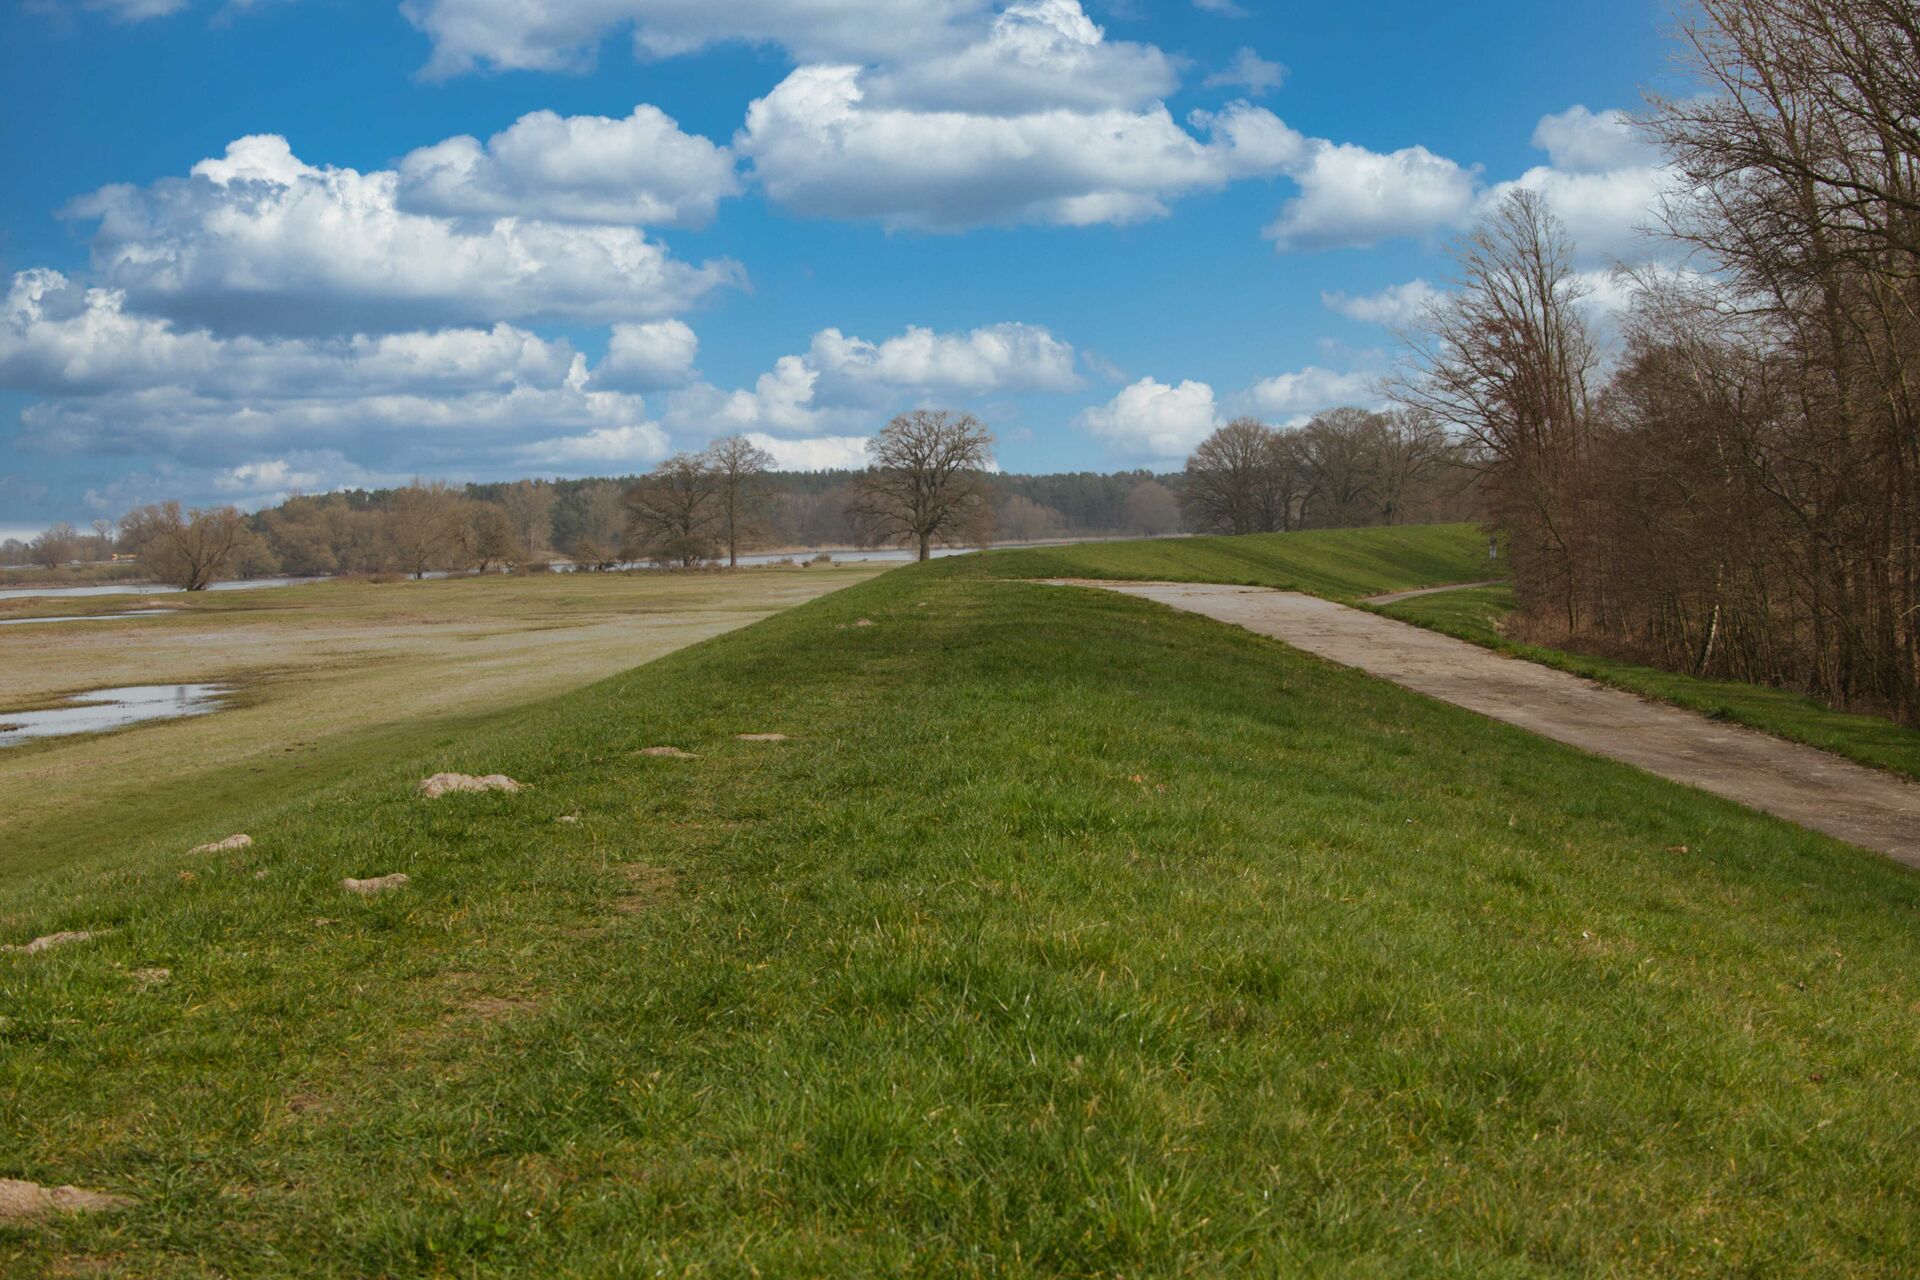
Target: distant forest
[525,521]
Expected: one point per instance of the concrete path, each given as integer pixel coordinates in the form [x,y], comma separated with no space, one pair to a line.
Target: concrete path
[1851,802]
[1393,597]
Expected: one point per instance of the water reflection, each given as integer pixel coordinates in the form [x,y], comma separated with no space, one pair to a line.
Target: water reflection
[104,709]
[88,617]
[148,588]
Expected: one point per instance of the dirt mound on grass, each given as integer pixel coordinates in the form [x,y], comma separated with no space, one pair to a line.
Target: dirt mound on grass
[220,846]
[667,753]
[22,1200]
[441,784]
[51,941]
[379,884]
[761,737]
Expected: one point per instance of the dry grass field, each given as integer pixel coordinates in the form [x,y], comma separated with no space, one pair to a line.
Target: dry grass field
[328,677]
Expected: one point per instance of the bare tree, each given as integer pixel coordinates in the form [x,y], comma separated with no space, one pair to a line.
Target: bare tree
[1411,450]
[529,504]
[671,515]
[1339,453]
[1021,519]
[58,545]
[302,531]
[1240,480]
[425,524]
[1741,498]
[490,539]
[737,469]
[189,550]
[1150,509]
[1505,359]
[926,481]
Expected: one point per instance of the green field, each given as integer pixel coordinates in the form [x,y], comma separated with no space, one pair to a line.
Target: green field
[1067,935]
[1475,615]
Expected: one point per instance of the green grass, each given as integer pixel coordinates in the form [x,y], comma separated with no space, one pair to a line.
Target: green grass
[1069,935]
[1474,615]
[1341,564]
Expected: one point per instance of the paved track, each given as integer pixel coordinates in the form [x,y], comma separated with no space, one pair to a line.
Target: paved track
[1802,784]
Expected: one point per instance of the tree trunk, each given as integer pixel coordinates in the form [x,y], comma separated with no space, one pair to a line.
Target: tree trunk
[924,553]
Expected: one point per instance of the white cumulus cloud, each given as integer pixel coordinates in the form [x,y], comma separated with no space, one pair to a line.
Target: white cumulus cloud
[1001,357]
[1352,197]
[1036,55]
[646,357]
[259,241]
[1394,306]
[1605,214]
[1311,390]
[1602,180]
[1249,71]
[631,446]
[1153,421]
[842,381]
[641,169]
[116,382]
[816,453]
[1581,141]
[564,35]
[820,148]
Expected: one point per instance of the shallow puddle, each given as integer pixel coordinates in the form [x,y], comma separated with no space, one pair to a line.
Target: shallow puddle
[104,709]
[147,588]
[88,617]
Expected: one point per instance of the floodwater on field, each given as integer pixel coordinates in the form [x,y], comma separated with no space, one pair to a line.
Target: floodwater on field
[103,709]
[147,588]
[839,555]
[88,617]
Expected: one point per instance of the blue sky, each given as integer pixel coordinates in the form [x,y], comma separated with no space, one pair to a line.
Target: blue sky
[1104,227]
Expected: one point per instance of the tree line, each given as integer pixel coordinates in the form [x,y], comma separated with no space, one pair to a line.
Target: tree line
[931,482]
[691,509]
[1342,469]
[1736,492]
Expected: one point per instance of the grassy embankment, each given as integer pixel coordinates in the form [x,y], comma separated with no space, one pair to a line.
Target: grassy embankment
[331,677]
[1068,935]
[1350,564]
[1341,564]
[1475,615]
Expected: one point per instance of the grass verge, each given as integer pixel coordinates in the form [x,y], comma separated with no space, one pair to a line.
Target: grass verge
[1474,614]
[1067,935]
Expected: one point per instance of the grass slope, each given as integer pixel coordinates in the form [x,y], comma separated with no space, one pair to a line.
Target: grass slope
[1474,615]
[1067,936]
[1342,564]
[331,677]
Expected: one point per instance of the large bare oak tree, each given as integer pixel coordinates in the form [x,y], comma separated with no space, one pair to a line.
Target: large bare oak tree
[926,481]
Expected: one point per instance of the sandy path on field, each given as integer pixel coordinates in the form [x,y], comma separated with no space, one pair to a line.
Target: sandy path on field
[1802,784]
